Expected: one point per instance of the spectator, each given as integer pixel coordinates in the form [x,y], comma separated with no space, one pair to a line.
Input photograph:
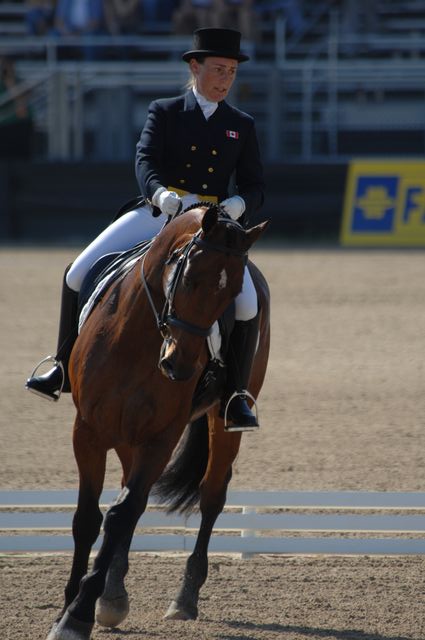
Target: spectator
[236,14]
[192,15]
[78,18]
[123,17]
[359,17]
[293,11]
[158,14]
[16,125]
[39,16]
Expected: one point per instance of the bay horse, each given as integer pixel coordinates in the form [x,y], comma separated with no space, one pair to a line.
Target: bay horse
[133,373]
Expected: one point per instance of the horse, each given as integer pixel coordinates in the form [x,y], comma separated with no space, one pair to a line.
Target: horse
[134,371]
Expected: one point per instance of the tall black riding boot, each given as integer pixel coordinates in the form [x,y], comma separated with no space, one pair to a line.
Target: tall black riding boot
[51,384]
[243,342]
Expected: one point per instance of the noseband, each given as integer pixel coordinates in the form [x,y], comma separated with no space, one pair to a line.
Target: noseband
[167,318]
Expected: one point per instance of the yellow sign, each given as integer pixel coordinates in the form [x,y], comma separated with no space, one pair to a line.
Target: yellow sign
[384,204]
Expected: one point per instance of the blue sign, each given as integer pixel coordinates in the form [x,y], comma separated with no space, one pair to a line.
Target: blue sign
[384,204]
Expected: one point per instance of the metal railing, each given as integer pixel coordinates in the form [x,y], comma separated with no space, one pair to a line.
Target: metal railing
[303,107]
[52,49]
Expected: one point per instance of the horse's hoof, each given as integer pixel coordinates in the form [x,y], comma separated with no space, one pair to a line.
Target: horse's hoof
[52,634]
[69,628]
[110,613]
[178,612]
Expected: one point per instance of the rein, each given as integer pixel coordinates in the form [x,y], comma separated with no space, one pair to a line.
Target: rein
[167,316]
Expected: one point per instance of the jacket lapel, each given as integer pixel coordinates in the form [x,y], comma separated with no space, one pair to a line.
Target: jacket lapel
[214,129]
[192,111]
[220,121]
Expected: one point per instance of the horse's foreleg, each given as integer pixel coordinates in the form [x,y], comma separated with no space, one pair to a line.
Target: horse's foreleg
[91,461]
[113,605]
[120,522]
[213,490]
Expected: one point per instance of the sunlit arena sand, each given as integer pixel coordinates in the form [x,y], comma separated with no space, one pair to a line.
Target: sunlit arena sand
[342,408]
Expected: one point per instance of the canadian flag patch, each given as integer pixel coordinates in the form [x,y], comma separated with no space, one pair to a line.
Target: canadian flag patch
[232,134]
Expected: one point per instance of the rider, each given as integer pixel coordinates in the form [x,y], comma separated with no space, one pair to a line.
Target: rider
[190,148]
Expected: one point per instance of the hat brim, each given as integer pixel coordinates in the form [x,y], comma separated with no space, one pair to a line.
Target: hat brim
[203,53]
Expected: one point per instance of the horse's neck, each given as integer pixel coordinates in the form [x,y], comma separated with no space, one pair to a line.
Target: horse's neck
[174,235]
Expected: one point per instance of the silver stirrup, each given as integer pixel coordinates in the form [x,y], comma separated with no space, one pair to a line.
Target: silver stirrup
[230,427]
[56,363]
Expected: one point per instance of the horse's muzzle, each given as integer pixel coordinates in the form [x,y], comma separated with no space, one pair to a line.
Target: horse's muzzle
[173,372]
[171,366]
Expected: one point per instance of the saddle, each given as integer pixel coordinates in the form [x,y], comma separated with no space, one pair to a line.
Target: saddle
[108,269]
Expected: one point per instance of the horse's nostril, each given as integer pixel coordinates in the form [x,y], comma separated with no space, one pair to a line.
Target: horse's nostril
[171,370]
[166,368]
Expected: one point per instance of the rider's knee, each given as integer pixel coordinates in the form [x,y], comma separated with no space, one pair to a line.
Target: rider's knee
[74,279]
[246,303]
[246,306]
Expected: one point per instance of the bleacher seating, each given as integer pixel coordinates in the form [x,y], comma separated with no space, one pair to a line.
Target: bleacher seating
[401,27]
[12,19]
[324,99]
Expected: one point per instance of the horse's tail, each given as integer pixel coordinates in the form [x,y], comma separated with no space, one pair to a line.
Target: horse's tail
[178,486]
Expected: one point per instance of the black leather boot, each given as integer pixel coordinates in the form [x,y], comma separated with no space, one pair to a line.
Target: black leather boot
[243,342]
[51,384]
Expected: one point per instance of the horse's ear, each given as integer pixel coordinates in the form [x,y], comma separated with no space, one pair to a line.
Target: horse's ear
[252,235]
[209,220]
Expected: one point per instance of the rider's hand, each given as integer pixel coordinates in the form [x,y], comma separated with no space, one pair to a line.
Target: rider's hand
[234,206]
[168,201]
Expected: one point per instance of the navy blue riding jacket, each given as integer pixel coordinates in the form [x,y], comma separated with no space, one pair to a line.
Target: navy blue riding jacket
[179,148]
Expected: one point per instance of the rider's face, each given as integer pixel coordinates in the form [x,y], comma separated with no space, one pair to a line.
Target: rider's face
[214,77]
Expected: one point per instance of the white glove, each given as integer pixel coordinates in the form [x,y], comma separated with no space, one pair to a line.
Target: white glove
[168,201]
[234,206]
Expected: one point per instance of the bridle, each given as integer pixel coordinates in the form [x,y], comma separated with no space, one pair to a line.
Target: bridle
[167,317]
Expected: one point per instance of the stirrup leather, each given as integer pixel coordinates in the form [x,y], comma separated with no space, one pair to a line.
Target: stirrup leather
[235,394]
[56,363]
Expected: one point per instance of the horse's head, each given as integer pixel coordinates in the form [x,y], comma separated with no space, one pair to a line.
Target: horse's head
[203,273]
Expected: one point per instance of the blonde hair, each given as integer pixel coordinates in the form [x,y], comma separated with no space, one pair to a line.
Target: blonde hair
[191,82]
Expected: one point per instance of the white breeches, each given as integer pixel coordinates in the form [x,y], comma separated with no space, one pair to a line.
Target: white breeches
[131,228]
[134,227]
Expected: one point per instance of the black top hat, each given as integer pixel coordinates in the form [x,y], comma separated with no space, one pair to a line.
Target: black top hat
[222,43]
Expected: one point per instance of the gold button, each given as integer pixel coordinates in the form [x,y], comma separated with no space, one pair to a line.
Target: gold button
[188,165]
[182,181]
[205,186]
[193,148]
[210,170]
[214,152]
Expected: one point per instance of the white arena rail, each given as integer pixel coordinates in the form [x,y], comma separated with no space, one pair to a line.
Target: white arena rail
[252,522]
